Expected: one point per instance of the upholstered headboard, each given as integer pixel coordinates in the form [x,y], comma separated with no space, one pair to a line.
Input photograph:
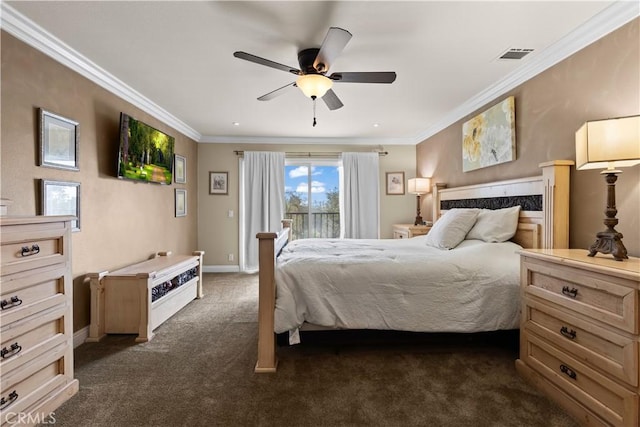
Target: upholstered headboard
[544,217]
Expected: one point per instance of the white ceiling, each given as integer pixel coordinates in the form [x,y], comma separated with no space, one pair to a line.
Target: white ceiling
[175,59]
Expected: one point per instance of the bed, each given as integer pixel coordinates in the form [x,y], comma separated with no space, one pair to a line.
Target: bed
[413,284]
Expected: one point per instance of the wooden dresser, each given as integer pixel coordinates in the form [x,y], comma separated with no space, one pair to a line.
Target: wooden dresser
[579,336]
[35,318]
[407,231]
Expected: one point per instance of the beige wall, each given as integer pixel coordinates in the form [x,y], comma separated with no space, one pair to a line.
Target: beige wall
[122,222]
[600,81]
[218,234]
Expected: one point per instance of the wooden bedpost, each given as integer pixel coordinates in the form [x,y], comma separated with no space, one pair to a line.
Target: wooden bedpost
[435,200]
[286,225]
[267,361]
[555,179]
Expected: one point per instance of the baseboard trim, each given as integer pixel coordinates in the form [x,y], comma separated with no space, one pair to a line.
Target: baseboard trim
[221,269]
[80,336]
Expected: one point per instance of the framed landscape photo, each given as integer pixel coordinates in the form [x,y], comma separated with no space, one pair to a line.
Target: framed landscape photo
[218,182]
[59,141]
[181,202]
[180,169]
[395,183]
[61,198]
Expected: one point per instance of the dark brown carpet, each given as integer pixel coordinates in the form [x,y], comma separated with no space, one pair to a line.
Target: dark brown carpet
[198,371]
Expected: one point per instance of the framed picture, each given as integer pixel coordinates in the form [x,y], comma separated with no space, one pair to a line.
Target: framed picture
[181,202]
[218,182]
[395,183]
[61,198]
[180,169]
[490,137]
[59,141]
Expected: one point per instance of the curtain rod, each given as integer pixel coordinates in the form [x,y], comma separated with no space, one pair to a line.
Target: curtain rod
[327,154]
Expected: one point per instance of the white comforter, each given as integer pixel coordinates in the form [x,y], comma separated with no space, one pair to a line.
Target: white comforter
[400,285]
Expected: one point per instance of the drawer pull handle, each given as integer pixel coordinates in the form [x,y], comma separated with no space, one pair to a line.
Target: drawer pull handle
[568,372]
[12,351]
[26,251]
[572,293]
[6,402]
[13,302]
[571,334]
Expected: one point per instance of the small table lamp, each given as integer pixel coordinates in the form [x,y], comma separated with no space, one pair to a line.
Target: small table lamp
[418,186]
[609,144]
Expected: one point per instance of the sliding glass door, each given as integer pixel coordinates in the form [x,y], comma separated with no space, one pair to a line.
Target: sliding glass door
[312,196]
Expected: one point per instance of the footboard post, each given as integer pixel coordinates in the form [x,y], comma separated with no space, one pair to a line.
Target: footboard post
[267,361]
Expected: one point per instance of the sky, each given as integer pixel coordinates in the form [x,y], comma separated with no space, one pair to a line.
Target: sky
[323,179]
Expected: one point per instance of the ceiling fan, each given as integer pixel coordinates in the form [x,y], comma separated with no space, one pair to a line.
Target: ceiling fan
[314,65]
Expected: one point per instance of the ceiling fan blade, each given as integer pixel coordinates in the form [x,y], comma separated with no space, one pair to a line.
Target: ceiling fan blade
[332,46]
[331,99]
[269,96]
[266,62]
[366,77]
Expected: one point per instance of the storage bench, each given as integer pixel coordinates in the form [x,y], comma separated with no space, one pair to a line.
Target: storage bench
[140,297]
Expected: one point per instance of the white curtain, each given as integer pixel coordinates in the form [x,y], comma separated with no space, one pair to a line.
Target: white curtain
[262,201]
[360,196]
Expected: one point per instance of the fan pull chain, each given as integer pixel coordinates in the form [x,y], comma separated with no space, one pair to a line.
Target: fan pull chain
[314,111]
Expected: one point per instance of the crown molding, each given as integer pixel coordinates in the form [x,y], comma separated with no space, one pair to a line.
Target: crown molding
[37,37]
[610,19]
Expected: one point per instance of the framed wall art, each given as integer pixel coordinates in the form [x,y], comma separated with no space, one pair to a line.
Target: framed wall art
[180,169]
[490,137]
[61,198]
[181,202]
[395,183]
[218,182]
[59,141]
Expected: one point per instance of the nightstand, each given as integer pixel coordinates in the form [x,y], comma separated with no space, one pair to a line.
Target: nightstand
[407,231]
[579,333]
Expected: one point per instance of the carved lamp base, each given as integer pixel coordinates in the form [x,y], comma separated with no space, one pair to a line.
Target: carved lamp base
[609,242]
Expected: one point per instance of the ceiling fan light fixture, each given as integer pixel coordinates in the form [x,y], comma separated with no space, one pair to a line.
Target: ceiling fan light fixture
[314,85]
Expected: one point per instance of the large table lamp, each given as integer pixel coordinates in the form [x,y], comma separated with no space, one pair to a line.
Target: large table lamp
[418,186]
[609,144]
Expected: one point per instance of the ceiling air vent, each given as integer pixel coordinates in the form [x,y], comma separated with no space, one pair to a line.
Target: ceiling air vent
[515,53]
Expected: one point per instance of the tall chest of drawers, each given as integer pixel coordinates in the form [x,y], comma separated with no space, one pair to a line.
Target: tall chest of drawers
[579,335]
[36,327]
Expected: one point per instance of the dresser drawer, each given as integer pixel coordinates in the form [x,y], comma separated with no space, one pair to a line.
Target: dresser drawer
[400,234]
[617,405]
[595,295]
[29,338]
[23,295]
[32,247]
[21,389]
[606,350]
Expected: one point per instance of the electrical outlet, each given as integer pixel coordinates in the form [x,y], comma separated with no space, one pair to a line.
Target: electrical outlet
[230,257]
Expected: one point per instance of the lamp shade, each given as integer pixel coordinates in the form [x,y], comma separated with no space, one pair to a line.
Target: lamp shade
[314,84]
[418,185]
[607,144]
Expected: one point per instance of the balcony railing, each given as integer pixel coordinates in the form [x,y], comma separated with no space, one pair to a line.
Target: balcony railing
[321,225]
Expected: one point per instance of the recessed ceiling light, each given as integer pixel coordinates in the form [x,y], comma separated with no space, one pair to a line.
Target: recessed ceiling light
[236,123]
[375,125]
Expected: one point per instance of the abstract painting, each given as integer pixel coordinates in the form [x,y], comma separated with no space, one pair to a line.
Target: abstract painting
[490,137]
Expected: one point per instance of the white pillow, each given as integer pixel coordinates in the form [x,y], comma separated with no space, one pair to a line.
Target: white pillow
[497,225]
[451,228]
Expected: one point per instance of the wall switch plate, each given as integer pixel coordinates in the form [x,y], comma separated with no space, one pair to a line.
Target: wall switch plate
[230,213]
